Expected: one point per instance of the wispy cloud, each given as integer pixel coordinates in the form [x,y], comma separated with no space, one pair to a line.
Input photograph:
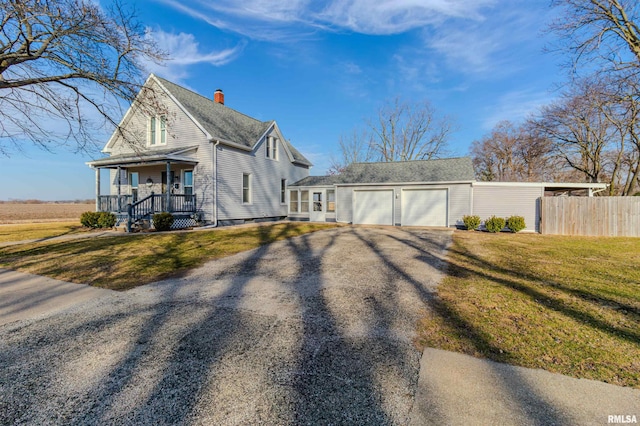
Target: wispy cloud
[397,16]
[254,19]
[279,21]
[184,50]
[482,46]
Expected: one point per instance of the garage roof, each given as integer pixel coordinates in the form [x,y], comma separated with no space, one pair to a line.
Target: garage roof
[442,170]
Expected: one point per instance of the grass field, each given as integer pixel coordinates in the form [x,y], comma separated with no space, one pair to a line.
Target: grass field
[564,304]
[125,261]
[42,212]
[37,231]
[570,305]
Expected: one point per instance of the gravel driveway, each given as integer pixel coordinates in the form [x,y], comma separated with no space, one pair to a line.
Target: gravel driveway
[313,330]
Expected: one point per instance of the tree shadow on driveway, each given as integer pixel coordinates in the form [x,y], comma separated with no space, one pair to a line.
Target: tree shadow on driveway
[315,329]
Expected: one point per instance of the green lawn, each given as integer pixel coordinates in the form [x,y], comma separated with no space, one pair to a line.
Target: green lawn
[565,304]
[36,231]
[126,261]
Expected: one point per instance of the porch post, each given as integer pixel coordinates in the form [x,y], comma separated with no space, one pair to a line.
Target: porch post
[97,189]
[169,183]
[119,201]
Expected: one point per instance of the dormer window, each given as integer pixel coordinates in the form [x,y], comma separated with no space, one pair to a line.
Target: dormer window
[272,148]
[158,130]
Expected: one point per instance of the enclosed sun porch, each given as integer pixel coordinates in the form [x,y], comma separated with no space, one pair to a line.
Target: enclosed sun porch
[139,186]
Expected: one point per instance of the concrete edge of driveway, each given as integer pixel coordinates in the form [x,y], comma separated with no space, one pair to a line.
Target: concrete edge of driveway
[454,389]
[26,296]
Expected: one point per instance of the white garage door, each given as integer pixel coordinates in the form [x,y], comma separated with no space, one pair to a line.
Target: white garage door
[373,207]
[424,207]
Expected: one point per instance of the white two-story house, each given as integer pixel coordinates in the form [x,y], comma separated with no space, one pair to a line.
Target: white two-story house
[190,155]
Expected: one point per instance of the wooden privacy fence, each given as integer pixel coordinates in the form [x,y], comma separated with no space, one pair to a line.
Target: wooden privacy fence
[596,216]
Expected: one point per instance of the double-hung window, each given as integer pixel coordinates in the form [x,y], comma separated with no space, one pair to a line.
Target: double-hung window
[283,191]
[188,186]
[293,201]
[304,201]
[331,201]
[158,130]
[246,188]
[133,179]
[272,148]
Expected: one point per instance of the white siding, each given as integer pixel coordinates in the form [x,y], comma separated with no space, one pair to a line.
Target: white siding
[266,174]
[265,182]
[424,207]
[459,200]
[344,204]
[182,132]
[505,201]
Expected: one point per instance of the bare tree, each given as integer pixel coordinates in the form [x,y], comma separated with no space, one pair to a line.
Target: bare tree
[603,37]
[603,30]
[405,131]
[354,148]
[63,62]
[402,131]
[623,112]
[579,131]
[513,153]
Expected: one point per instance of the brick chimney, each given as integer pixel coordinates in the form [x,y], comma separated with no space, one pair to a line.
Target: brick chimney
[218,97]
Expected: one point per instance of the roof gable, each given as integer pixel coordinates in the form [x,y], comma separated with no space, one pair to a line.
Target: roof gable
[223,123]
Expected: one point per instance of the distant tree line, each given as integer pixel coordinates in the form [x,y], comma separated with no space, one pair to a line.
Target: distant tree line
[591,132]
[36,201]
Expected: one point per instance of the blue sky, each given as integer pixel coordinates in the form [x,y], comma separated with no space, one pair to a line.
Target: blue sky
[320,68]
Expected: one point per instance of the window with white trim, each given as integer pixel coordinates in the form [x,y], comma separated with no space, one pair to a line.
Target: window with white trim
[272,148]
[304,201]
[246,188]
[188,185]
[331,201]
[293,201]
[133,179]
[283,191]
[157,130]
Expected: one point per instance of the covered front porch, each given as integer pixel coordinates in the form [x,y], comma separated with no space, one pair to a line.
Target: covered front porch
[142,185]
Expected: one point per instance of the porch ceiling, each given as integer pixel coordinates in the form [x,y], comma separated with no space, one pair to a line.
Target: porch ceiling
[144,159]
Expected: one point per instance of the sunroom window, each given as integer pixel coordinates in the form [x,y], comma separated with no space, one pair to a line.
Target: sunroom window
[331,201]
[293,201]
[304,201]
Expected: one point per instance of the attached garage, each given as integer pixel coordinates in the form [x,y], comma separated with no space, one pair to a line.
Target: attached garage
[424,207]
[373,207]
[427,193]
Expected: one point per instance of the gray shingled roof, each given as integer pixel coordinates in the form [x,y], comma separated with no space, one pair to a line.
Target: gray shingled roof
[223,122]
[443,170]
[317,181]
